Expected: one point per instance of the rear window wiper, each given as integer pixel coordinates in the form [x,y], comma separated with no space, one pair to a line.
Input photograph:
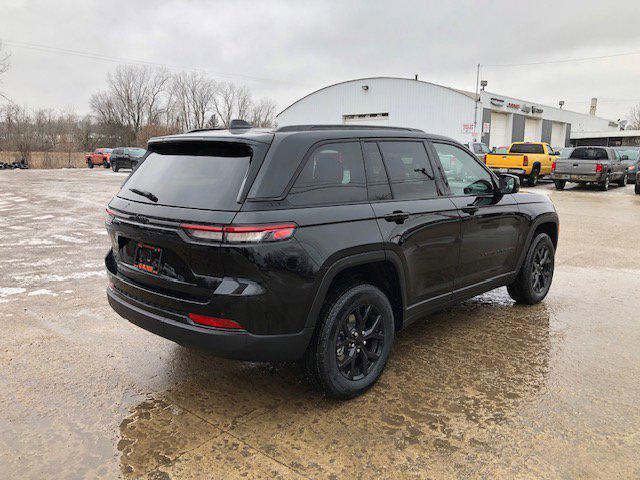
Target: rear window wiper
[144,193]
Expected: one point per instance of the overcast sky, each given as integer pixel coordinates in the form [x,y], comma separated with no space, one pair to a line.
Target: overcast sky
[286,49]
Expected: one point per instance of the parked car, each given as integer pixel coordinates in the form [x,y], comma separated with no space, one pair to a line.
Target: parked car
[598,165]
[637,186]
[631,157]
[100,156]
[126,157]
[478,148]
[280,245]
[529,160]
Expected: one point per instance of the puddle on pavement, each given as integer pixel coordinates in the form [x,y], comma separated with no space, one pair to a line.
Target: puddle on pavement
[451,378]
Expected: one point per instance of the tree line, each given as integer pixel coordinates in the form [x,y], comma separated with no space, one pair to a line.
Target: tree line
[139,102]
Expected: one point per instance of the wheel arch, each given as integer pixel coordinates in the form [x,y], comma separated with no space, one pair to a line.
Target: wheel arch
[545,223]
[377,268]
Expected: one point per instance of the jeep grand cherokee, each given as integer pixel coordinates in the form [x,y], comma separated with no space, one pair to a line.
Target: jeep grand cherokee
[317,242]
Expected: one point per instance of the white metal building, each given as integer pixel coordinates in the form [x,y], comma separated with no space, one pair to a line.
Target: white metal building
[495,119]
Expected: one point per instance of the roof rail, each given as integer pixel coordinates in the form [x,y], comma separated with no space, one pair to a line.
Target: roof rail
[305,128]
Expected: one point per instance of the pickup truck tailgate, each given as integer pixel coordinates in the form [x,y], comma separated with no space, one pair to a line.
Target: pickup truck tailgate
[504,161]
[576,166]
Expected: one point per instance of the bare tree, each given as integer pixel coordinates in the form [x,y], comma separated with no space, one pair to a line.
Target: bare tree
[4,65]
[192,100]
[263,113]
[634,118]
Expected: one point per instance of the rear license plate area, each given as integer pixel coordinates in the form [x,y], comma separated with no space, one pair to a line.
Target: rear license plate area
[148,258]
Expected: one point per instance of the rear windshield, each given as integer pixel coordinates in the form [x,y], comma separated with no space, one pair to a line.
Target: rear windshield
[589,154]
[203,175]
[526,148]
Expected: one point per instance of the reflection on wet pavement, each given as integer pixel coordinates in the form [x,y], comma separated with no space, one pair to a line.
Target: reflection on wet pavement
[486,389]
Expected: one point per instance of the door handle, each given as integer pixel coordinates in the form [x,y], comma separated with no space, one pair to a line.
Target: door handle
[470,209]
[397,216]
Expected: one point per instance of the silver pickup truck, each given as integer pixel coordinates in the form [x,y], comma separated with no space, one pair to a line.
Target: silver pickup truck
[599,165]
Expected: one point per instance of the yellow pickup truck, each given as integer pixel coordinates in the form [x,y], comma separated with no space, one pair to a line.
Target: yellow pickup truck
[528,160]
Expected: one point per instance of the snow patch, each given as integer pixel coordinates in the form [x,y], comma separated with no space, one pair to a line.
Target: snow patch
[6,291]
[43,217]
[67,238]
[42,291]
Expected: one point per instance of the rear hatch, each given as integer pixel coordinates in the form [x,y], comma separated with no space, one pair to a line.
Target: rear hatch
[582,161]
[179,184]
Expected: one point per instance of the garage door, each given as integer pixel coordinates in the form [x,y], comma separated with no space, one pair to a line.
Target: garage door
[498,132]
[532,130]
[558,134]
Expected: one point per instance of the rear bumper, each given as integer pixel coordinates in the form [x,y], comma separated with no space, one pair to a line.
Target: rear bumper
[584,177]
[511,170]
[222,343]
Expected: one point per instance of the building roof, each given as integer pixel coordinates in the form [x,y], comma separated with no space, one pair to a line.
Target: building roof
[605,134]
[473,96]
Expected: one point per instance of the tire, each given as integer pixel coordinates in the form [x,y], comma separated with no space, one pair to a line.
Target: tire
[536,274]
[343,320]
[114,166]
[105,164]
[532,179]
[89,164]
[623,181]
[560,184]
[604,186]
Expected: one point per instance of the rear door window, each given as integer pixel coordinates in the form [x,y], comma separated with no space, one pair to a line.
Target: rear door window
[203,175]
[333,174]
[409,170]
[377,182]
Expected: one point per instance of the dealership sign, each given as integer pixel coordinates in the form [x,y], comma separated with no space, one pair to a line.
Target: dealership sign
[498,102]
[515,106]
[468,128]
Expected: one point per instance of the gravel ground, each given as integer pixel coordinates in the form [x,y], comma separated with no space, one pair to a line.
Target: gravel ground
[486,389]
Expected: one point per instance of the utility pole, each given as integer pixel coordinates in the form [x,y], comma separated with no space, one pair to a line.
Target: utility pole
[475,109]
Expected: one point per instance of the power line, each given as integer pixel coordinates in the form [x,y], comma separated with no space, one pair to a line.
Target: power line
[114,59]
[567,60]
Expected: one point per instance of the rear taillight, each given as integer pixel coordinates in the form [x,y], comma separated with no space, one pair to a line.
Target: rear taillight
[553,166]
[241,233]
[525,161]
[203,232]
[109,215]
[214,322]
[598,167]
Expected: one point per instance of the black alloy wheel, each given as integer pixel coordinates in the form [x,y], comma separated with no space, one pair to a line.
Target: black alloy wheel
[542,269]
[359,341]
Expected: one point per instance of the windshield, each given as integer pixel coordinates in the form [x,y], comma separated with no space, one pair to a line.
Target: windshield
[526,148]
[584,153]
[632,153]
[203,175]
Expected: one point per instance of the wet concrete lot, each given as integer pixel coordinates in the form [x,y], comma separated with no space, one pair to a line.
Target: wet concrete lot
[486,389]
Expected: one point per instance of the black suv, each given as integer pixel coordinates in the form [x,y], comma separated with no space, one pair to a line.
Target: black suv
[317,242]
[126,157]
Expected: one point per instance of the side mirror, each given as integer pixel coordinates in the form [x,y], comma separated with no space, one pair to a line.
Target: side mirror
[509,183]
